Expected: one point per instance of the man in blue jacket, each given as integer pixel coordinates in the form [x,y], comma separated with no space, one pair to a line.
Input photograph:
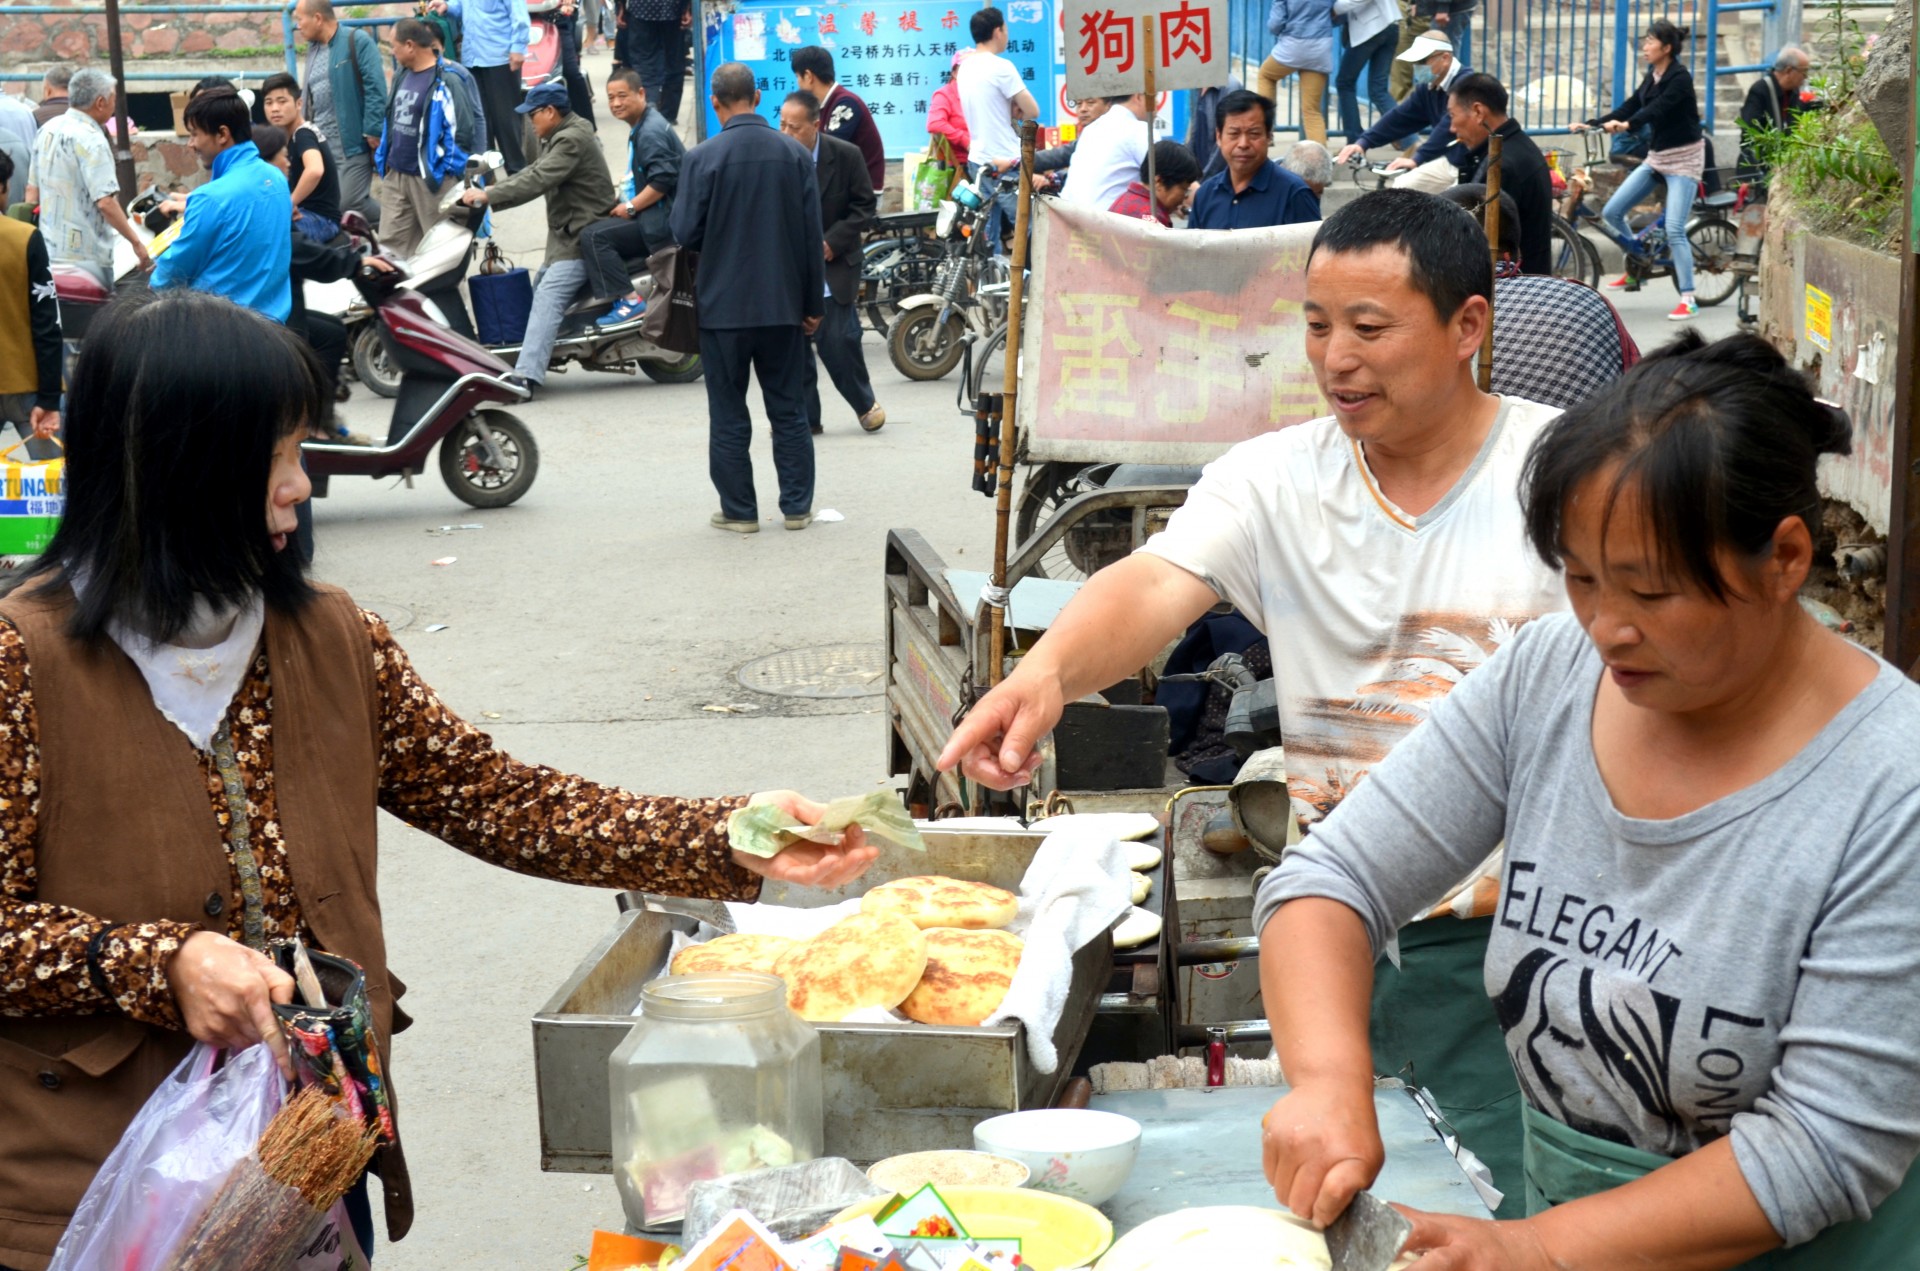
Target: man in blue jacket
[748,199]
[1431,168]
[420,148]
[493,44]
[344,94]
[234,238]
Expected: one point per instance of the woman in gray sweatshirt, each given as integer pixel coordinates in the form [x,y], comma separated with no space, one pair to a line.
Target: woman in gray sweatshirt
[1704,957]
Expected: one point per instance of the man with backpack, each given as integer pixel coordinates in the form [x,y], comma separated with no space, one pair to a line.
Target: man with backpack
[345,98]
[419,149]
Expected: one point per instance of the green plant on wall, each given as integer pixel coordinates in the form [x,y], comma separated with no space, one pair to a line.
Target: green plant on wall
[1833,165]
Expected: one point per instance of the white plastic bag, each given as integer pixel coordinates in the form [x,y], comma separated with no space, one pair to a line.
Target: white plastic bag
[171,1161]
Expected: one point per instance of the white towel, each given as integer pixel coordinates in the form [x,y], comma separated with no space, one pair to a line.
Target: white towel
[1077,887]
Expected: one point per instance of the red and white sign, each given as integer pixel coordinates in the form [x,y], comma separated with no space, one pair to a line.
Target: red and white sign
[1106,45]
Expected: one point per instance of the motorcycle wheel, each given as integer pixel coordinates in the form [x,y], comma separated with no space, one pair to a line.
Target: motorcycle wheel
[465,469]
[679,371]
[919,352]
[371,364]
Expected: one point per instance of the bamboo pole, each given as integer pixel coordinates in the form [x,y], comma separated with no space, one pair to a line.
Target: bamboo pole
[1003,508]
[1493,249]
[1153,117]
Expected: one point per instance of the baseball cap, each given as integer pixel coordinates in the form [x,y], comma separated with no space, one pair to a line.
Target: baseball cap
[547,94]
[1425,45]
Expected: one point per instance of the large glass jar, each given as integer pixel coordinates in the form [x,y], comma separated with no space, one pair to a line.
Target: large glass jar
[718,1077]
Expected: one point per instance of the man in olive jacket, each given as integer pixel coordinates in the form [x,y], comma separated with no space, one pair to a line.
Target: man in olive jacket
[573,175]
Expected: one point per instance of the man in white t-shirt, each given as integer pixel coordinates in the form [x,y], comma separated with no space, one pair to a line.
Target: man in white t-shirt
[1382,551]
[1109,154]
[992,96]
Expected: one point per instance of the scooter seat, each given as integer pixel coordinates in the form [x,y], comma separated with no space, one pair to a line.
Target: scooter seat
[1720,198]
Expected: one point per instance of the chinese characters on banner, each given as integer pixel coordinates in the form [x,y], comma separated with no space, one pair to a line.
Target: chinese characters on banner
[895,54]
[1144,346]
[1106,52]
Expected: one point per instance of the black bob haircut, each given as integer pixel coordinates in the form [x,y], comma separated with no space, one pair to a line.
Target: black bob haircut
[1721,440]
[1446,249]
[1239,102]
[178,402]
[983,24]
[812,60]
[1474,198]
[1173,163]
[1482,88]
[219,108]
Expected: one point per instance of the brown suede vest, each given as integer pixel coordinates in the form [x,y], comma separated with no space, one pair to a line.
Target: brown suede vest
[126,833]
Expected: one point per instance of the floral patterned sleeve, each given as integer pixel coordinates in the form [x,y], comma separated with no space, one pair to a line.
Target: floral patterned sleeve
[442,775]
[44,948]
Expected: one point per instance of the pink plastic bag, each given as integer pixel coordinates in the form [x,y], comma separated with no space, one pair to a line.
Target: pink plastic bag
[171,1162]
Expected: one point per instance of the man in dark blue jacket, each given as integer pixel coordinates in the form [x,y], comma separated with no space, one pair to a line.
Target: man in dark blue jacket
[749,195]
[1432,168]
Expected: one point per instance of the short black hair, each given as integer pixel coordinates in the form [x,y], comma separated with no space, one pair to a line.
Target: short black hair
[733,84]
[1173,163]
[6,168]
[1722,441]
[414,31]
[219,108]
[983,24]
[269,140]
[806,101]
[1478,86]
[280,82]
[208,84]
[175,408]
[812,60]
[1446,249]
[1123,97]
[1474,198]
[628,76]
[1239,102]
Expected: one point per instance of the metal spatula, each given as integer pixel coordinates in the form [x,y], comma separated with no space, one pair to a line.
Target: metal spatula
[1368,1236]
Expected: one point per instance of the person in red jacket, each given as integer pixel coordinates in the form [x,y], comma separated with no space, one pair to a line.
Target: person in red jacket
[944,117]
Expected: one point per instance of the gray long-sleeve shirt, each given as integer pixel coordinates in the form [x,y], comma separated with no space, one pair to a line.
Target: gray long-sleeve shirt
[1751,968]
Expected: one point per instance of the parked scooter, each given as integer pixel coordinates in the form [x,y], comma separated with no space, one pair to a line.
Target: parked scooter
[970,291]
[448,391]
[444,260]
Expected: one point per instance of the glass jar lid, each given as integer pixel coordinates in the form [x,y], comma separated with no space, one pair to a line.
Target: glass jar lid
[713,996]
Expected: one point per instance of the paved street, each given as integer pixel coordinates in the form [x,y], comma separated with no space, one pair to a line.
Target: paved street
[589,627]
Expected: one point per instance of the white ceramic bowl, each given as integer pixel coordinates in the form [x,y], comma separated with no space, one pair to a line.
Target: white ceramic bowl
[1077,1152]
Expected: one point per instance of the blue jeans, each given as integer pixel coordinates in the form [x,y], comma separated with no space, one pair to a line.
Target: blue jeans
[555,288]
[1375,56]
[780,357]
[1680,191]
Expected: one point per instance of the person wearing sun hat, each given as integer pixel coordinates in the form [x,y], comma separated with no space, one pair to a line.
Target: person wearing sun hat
[1423,110]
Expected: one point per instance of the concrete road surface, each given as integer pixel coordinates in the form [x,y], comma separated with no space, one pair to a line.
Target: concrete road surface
[590,626]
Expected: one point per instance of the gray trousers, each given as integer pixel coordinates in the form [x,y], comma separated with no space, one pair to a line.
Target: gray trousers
[356,185]
[555,288]
[411,208]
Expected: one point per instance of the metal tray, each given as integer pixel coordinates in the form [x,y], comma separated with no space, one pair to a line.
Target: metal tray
[890,1088]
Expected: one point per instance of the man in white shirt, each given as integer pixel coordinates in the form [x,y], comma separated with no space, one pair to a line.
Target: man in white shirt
[992,96]
[1109,154]
[1383,552]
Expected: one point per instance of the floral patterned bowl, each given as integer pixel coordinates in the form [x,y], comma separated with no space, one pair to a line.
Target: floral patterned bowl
[1075,1152]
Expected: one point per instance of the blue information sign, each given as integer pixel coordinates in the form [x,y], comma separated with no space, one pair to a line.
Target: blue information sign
[894,53]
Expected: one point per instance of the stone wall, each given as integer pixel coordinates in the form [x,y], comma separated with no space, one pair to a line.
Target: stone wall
[34,40]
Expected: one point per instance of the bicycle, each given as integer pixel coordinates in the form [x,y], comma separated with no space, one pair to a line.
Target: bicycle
[1711,232]
[1574,258]
[904,263]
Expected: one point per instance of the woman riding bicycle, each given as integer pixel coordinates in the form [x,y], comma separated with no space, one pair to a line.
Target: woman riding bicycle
[1678,152]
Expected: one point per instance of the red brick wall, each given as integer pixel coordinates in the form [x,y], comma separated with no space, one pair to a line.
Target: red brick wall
[83,37]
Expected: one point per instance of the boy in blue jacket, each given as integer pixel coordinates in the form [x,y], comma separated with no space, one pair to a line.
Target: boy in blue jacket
[233,239]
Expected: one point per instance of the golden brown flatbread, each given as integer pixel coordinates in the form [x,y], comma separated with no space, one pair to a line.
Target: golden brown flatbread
[861,961]
[739,952]
[932,901]
[967,976]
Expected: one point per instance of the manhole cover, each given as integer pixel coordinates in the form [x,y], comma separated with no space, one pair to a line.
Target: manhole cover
[831,670]
[397,617]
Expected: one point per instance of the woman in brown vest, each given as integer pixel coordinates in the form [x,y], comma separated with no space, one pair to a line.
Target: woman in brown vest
[194,741]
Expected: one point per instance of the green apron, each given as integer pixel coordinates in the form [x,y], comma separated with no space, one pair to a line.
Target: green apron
[1432,1015]
[1563,1164]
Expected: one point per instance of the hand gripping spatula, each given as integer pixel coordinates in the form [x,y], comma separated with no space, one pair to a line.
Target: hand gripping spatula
[1368,1236]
